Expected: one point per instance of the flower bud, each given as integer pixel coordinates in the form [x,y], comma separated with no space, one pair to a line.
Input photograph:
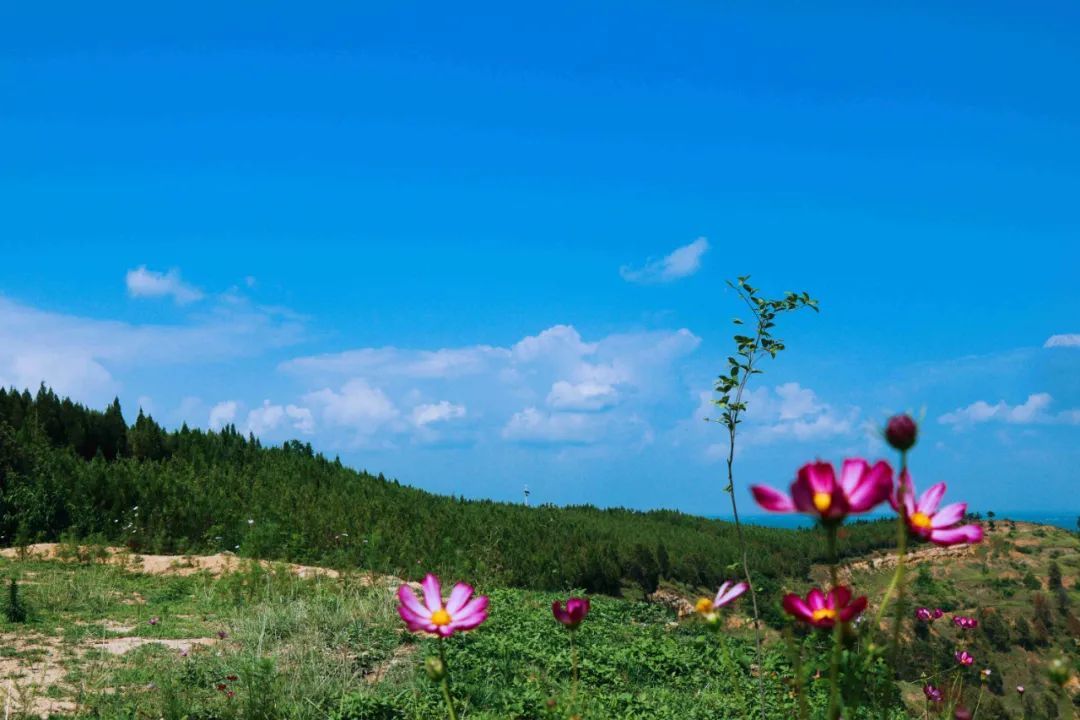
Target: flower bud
[901,432]
[435,669]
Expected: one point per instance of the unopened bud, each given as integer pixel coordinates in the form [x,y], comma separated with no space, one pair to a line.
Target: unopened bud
[901,432]
[435,669]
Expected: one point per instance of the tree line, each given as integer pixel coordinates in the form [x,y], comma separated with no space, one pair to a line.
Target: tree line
[68,470]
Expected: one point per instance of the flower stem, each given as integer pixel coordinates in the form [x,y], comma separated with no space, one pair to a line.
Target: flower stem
[897,583]
[901,555]
[796,664]
[739,530]
[444,684]
[573,671]
[836,701]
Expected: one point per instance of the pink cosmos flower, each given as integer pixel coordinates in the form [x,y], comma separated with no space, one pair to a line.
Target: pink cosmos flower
[964,622]
[458,613]
[823,610]
[924,614]
[1020,689]
[816,491]
[728,593]
[933,694]
[925,520]
[964,657]
[937,613]
[575,611]
[962,713]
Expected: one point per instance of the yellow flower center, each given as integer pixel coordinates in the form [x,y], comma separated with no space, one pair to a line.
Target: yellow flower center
[920,520]
[704,605]
[822,501]
[440,617]
[824,614]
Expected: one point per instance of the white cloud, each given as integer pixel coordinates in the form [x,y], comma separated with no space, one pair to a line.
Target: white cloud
[784,413]
[357,406]
[586,395]
[680,263]
[269,417]
[1068,340]
[1034,410]
[223,414]
[302,418]
[78,356]
[534,426]
[620,375]
[555,343]
[436,412]
[149,283]
[266,418]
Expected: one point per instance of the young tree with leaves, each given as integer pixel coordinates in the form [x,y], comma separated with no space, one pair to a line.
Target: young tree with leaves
[749,351]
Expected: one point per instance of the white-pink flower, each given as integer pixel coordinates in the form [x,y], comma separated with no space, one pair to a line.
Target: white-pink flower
[460,612]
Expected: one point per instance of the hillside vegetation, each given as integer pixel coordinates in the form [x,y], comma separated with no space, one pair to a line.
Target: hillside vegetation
[66,470]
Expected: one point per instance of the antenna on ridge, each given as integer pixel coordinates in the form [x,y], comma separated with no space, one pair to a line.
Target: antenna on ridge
[526,496]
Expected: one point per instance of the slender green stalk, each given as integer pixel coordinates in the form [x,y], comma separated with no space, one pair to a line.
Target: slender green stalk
[444,684]
[897,583]
[573,671]
[978,701]
[732,385]
[796,663]
[746,562]
[732,670]
[836,701]
[901,556]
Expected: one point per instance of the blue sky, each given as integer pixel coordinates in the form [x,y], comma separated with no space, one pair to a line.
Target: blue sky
[483,248]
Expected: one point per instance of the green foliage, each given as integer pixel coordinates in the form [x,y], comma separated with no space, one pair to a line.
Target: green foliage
[14,608]
[193,491]
[750,348]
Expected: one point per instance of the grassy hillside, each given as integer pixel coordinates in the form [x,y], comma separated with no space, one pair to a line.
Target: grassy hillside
[104,641]
[67,470]
[299,643]
[1027,613]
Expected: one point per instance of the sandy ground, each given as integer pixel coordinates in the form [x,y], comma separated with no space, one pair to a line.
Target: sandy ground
[215,565]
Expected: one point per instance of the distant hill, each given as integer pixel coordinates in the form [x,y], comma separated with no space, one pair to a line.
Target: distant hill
[69,470]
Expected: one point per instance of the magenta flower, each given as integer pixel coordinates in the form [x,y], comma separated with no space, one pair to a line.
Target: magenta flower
[965,623]
[1020,689]
[575,611]
[962,713]
[823,610]
[938,613]
[924,614]
[933,694]
[926,521]
[964,657]
[816,491]
[458,613]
